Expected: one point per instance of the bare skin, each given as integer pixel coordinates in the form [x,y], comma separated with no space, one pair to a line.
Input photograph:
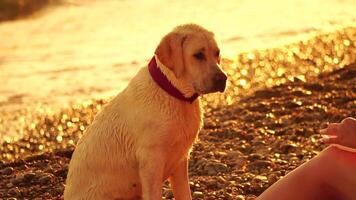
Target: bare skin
[343,133]
[328,176]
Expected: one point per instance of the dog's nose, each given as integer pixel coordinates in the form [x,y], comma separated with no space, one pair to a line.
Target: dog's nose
[220,81]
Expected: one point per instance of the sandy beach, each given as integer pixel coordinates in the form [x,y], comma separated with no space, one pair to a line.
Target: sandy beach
[287,80]
[248,142]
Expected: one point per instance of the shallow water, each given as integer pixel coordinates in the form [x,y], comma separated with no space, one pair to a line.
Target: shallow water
[90,49]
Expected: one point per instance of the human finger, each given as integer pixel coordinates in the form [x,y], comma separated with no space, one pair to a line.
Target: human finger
[329,139]
[332,129]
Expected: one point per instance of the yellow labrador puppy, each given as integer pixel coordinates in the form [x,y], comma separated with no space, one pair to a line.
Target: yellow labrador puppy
[143,136]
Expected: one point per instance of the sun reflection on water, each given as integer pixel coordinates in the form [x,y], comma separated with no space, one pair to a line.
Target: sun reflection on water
[295,62]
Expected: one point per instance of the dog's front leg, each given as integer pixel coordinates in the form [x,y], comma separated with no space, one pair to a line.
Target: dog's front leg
[180,182]
[151,175]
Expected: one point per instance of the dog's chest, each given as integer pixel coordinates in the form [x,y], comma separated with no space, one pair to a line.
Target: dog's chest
[183,132]
[186,124]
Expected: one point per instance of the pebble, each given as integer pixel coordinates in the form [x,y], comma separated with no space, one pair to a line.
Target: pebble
[198,194]
[208,124]
[259,178]
[250,197]
[213,168]
[272,178]
[287,148]
[229,123]
[258,164]
[234,154]
[240,197]
[255,156]
[62,172]
[57,191]
[45,179]
[7,171]
[18,179]
[29,176]
[15,192]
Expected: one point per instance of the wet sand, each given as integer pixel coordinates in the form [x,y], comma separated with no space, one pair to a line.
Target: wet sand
[250,138]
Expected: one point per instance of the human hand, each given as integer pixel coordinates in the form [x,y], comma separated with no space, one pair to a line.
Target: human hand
[343,133]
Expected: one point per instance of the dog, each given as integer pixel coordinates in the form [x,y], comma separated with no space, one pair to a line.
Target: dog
[144,135]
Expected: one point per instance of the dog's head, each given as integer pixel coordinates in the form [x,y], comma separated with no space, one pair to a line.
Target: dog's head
[193,55]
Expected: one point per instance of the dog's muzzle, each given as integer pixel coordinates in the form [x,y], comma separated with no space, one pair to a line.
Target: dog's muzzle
[219,82]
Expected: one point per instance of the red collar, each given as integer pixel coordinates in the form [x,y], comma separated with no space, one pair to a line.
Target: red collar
[165,84]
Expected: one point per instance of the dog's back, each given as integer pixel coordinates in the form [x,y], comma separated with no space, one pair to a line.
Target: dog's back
[103,160]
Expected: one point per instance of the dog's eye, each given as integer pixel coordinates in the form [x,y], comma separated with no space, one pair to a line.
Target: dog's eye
[199,56]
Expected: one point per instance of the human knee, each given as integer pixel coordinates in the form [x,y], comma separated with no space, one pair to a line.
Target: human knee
[349,121]
[330,153]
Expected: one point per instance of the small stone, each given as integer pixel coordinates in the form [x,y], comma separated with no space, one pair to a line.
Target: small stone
[7,171]
[246,148]
[65,152]
[208,124]
[258,164]
[61,172]
[292,104]
[213,168]
[201,161]
[287,148]
[272,178]
[314,86]
[198,194]
[29,176]
[9,185]
[234,154]
[255,156]
[267,93]
[211,184]
[220,153]
[250,197]
[259,178]
[45,179]
[18,179]
[240,197]
[221,167]
[57,191]
[15,192]
[229,123]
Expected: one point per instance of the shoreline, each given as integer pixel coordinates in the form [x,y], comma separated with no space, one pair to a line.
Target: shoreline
[247,71]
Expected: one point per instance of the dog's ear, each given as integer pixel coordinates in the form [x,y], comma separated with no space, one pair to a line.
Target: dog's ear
[170,52]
